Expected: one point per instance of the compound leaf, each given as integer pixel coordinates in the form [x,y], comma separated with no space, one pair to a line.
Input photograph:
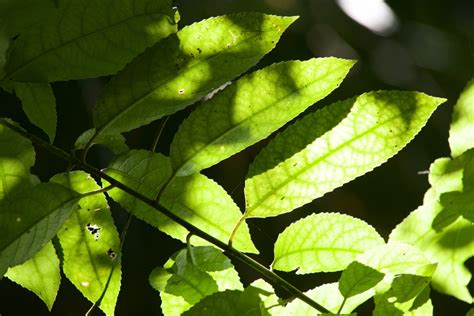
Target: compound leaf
[183,68]
[191,276]
[251,109]
[461,132]
[30,219]
[39,274]
[323,242]
[90,243]
[332,146]
[87,39]
[196,198]
[358,278]
[449,248]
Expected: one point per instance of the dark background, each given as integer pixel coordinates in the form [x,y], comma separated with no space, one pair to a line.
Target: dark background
[431,50]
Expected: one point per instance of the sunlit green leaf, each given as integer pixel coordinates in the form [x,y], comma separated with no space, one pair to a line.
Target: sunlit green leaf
[88,39]
[461,133]
[333,146]
[39,274]
[189,277]
[329,296]
[385,305]
[17,157]
[407,286]
[358,278]
[90,243]
[323,242]
[251,109]
[450,248]
[115,142]
[196,198]
[185,67]
[30,219]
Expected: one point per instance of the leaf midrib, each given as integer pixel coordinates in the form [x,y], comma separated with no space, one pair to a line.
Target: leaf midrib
[249,118]
[68,42]
[312,164]
[156,86]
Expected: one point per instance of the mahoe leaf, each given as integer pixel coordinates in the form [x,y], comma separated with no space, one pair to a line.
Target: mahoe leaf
[30,219]
[251,109]
[39,274]
[358,278]
[196,198]
[461,132]
[87,39]
[188,278]
[183,68]
[450,248]
[407,286]
[323,242]
[385,306]
[18,156]
[39,105]
[329,296]
[90,243]
[333,146]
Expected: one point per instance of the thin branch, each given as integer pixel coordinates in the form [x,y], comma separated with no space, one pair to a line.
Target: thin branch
[230,251]
[158,134]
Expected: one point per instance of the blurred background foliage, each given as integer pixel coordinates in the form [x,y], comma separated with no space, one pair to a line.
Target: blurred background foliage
[423,45]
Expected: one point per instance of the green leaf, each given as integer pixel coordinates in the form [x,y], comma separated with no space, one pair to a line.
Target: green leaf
[333,146]
[449,248]
[398,258]
[188,278]
[90,243]
[39,274]
[18,156]
[231,303]
[461,132]
[20,15]
[407,286]
[196,198]
[251,109]
[358,278]
[329,296]
[115,142]
[39,104]
[323,242]
[30,219]
[183,68]
[88,39]
[386,306]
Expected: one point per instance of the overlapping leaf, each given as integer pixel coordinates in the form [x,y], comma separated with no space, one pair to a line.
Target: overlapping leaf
[39,105]
[251,109]
[358,278]
[329,296]
[115,142]
[30,219]
[449,248]
[332,146]
[90,243]
[39,274]
[88,39]
[17,156]
[183,68]
[323,242]
[196,198]
[191,276]
[461,132]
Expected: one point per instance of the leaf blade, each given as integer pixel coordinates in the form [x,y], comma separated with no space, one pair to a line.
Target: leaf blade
[39,274]
[184,67]
[333,145]
[78,42]
[323,242]
[91,243]
[358,278]
[251,109]
[461,130]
